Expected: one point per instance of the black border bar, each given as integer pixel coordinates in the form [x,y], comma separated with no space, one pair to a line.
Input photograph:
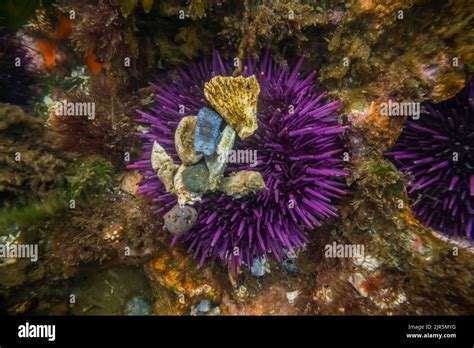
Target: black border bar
[289,330]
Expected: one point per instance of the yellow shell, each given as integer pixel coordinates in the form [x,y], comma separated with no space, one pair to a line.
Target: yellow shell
[235,99]
[184,140]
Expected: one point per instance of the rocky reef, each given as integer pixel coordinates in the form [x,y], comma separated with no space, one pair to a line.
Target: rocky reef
[29,156]
[237,157]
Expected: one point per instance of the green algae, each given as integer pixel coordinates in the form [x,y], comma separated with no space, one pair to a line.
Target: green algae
[85,180]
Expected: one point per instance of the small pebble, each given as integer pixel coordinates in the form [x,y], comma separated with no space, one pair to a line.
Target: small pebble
[357,280]
[291,296]
[290,254]
[289,266]
[204,306]
[180,220]
[137,306]
[258,268]
[196,178]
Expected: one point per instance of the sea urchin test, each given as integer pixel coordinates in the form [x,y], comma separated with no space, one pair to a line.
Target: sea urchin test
[236,212]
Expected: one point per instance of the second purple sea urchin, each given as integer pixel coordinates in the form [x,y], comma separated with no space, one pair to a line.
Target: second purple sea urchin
[16,77]
[299,155]
[437,154]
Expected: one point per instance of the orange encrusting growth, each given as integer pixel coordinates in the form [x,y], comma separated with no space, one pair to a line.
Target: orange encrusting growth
[92,63]
[48,51]
[63,30]
[49,47]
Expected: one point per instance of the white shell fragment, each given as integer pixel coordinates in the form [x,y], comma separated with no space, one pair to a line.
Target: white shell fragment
[163,165]
[218,161]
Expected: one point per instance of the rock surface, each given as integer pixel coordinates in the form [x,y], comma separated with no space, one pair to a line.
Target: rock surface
[179,284]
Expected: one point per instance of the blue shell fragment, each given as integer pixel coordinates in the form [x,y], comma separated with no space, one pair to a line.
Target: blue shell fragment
[207,131]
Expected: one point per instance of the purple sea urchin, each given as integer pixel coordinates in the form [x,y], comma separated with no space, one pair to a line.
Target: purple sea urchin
[437,153]
[298,147]
[16,79]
